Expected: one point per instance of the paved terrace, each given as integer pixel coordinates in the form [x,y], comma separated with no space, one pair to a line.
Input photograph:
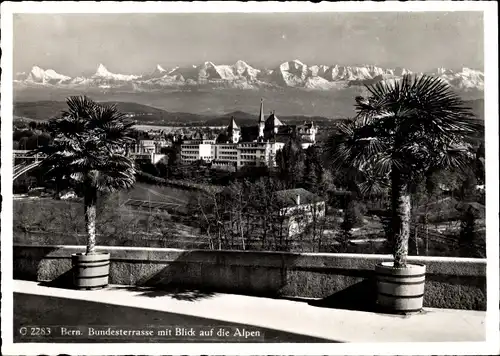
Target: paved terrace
[277,320]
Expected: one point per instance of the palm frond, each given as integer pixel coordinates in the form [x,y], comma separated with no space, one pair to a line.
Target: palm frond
[88,139]
[414,125]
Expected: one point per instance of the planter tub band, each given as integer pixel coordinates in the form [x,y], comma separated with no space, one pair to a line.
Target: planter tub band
[400,290]
[90,271]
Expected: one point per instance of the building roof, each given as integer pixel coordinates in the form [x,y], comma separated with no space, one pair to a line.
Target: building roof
[273,121]
[198,135]
[472,207]
[232,125]
[286,130]
[288,197]
[308,125]
[223,137]
[249,133]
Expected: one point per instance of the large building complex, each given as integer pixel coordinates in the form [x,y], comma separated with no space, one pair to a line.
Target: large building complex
[237,147]
[149,150]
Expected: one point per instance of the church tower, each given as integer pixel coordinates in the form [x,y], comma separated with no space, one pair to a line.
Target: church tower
[262,121]
[233,131]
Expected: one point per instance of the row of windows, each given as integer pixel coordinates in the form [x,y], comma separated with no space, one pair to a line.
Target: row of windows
[196,157]
[226,157]
[199,142]
[251,145]
[247,150]
[252,157]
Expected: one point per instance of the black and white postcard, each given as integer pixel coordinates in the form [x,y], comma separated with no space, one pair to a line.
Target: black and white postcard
[210,178]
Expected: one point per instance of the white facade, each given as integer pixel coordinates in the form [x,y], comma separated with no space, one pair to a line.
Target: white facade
[300,209]
[300,216]
[253,154]
[307,132]
[152,157]
[196,150]
[148,150]
[149,146]
[206,152]
[243,154]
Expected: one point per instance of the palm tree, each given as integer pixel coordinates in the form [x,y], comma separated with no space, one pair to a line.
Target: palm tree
[88,154]
[403,132]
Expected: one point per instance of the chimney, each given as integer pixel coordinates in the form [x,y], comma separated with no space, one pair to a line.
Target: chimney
[298,199]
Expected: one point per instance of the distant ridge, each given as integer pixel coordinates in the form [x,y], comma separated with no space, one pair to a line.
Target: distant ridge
[44,110]
[145,114]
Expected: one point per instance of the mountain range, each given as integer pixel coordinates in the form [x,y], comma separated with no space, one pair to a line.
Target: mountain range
[241,75]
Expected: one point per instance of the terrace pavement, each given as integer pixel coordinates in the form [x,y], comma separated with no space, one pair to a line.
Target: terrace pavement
[279,320]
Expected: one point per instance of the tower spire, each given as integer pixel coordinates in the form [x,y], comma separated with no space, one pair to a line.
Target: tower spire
[232,124]
[261,114]
[261,119]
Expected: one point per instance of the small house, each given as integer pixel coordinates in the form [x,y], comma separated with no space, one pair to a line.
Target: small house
[300,207]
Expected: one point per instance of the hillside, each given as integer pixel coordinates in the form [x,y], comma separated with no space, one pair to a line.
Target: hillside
[45,110]
[145,114]
[477,107]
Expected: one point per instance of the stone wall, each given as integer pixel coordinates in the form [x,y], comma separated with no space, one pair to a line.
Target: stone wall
[332,280]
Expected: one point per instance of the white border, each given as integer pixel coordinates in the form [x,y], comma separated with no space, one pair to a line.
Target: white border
[491,150]
[491,346]
[53,7]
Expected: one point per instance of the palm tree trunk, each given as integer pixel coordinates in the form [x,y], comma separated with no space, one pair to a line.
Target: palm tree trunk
[401,213]
[89,201]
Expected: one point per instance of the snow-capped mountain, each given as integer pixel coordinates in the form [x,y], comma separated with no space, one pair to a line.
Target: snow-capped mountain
[290,74]
[158,72]
[297,74]
[464,78]
[103,73]
[242,69]
[240,75]
[20,76]
[210,71]
[39,76]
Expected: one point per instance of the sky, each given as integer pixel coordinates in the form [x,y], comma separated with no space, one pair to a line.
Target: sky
[74,44]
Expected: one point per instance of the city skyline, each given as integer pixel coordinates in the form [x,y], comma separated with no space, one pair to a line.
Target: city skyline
[78,43]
